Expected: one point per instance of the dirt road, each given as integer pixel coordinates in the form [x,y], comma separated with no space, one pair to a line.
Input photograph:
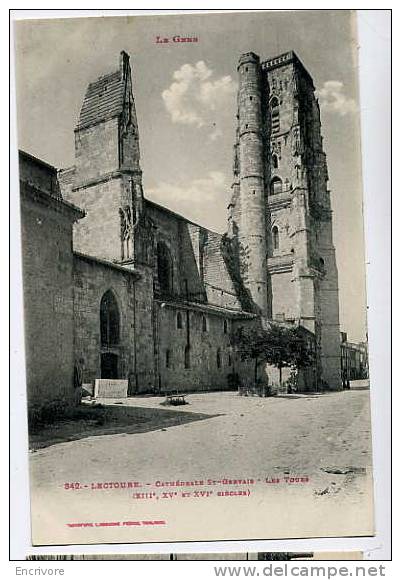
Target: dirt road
[322,439]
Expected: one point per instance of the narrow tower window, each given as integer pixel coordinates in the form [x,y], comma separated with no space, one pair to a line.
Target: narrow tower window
[275,161]
[204,324]
[179,320]
[275,238]
[168,359]
[225,326]
[275,115]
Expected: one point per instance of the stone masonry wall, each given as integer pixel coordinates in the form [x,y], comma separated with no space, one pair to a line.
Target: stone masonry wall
[135,351]
[168,232]
[144,339]
[48,301]
[192,260]
[38,174]
[96,151]
[98,233]
[218,282]
[284,295]
[198,261]
[280,86]
[208,349]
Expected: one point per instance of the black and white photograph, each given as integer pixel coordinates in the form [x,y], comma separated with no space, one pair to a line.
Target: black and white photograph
[194,285]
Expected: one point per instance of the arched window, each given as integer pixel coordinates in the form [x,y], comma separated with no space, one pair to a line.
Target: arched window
[218,358]
[275,161]
[225,326]
[179,320]
[275,238]
[276,186]
[187,357]
[275,115]
[164,269]
[204,324]
[109,320]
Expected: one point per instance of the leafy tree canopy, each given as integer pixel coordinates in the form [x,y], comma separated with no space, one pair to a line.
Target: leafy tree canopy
[278,345]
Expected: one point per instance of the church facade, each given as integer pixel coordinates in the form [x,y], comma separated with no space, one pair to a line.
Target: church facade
[155,296]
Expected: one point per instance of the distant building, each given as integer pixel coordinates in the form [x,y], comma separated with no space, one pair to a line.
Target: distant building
[354,359]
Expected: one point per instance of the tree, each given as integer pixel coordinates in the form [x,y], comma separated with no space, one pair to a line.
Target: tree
[278,345]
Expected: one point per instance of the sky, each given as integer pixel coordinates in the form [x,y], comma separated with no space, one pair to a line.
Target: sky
[185,95]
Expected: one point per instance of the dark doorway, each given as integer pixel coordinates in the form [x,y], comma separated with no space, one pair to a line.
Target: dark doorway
[109,365]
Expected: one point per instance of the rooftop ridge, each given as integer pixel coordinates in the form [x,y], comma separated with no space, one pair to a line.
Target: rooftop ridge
[37,160]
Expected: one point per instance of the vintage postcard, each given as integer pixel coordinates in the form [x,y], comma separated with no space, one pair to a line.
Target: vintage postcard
[194,282]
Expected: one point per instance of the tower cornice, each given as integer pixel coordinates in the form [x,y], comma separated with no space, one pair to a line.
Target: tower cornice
[285,59]
[248,57]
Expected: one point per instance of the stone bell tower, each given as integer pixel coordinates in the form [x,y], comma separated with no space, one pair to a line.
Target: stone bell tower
[106,180]
[280,211]
[247,217]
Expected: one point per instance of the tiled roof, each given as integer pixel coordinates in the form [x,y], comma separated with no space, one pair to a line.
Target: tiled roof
[103,99]
[106,263]
[187,304]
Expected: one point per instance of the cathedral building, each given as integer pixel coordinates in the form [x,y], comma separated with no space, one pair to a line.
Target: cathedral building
[154,297]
